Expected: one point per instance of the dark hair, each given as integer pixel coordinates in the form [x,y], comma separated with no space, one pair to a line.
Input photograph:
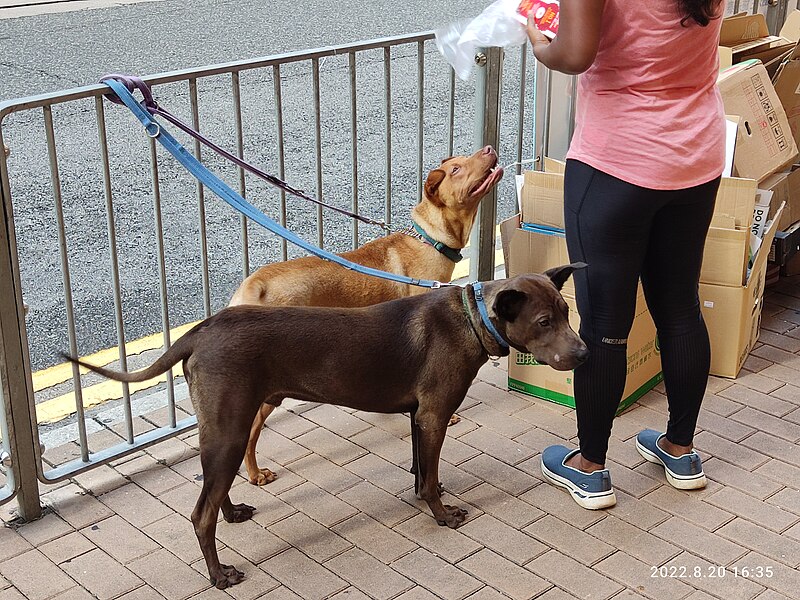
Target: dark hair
[701,12]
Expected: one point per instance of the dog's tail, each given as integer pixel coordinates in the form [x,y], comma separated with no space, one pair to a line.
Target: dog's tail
[181,350]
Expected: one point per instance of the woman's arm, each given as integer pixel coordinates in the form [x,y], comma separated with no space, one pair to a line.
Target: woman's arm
[574,48]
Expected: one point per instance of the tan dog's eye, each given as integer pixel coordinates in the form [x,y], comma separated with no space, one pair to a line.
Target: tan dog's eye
[455,170]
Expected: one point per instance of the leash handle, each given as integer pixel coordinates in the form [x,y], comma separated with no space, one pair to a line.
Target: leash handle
[221,189]
[133,83]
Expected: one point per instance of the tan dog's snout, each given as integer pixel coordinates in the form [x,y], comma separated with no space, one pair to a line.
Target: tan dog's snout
[466,179]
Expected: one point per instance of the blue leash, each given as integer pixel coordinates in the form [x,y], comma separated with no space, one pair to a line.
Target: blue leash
[221,189]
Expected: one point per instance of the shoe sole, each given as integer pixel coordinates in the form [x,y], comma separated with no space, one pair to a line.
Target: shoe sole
[681,482]
[584,499]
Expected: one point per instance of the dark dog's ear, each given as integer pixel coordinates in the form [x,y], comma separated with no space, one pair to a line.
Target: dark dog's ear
[433,181]
[558,275]
[508,304]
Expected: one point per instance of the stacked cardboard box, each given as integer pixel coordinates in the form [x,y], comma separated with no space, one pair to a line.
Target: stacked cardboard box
[749,211]
[761,196]
[533,241]
[745,37]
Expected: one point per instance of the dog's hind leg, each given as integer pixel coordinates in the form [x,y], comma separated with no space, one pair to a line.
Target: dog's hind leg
[415,450]
[432,429]
[220,459]
[256,475]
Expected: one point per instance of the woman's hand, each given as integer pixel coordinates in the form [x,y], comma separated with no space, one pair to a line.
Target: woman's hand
[536,37]
[574,48]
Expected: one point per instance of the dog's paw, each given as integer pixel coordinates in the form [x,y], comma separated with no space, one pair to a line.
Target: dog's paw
[264,477]
[453,516]
[240,513]
[227,577]
[453,420]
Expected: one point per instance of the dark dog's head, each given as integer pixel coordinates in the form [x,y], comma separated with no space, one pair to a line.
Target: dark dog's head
[534,318]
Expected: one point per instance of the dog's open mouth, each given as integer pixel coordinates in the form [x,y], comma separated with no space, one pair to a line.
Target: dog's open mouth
[492,177]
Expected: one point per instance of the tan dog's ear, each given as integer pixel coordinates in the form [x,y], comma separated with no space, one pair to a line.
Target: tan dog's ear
[444,160]
[433,181]
[509,303]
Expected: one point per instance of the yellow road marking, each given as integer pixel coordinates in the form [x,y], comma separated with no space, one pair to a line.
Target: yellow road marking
[60,373]
[57,408]
[62,406]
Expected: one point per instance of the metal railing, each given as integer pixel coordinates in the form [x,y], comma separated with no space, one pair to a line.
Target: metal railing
[77,169]
[318,97]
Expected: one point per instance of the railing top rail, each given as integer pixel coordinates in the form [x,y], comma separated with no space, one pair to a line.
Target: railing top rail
[90,91]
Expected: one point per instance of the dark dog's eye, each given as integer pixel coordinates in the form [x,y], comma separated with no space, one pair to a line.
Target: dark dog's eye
[544,322]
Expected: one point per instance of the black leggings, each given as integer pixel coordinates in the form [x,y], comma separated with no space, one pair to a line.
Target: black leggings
[624,232]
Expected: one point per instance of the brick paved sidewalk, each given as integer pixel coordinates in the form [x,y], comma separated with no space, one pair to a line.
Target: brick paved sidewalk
[342,520]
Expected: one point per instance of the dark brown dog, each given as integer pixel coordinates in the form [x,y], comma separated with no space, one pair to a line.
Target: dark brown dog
[415,355]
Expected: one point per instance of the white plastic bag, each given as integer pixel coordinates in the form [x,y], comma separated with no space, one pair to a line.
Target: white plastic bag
[497,25]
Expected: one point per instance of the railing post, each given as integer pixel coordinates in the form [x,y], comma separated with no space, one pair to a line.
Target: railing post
[13,377]
[488,92]
[776,15]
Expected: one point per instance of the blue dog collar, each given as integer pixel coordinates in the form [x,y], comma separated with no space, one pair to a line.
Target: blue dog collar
[477,289]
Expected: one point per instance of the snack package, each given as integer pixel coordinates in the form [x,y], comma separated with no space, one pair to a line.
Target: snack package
[545,15]
[497,25]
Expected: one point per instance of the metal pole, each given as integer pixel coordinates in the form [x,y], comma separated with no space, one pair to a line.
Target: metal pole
[14,388]
[488,93]
[776,15]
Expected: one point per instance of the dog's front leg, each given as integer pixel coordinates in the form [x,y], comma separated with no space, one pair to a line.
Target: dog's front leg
[431,431]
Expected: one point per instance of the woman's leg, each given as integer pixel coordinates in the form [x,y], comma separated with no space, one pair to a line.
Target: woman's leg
[607,226]
[670,276]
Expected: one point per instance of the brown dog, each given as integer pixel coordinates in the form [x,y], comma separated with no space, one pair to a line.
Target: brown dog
[451,197]
[418,355]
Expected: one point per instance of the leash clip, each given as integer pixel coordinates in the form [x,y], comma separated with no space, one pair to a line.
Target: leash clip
[153,129]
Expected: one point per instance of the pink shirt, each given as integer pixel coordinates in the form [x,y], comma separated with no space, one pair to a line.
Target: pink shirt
[648,109]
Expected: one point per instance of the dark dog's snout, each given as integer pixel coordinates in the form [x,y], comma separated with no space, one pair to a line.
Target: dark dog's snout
[582,354]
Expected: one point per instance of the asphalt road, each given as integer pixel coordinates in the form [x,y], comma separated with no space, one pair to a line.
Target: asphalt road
[59,50]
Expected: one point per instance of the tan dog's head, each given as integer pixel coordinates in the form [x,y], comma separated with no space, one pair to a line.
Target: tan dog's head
[453,192]
[534,318]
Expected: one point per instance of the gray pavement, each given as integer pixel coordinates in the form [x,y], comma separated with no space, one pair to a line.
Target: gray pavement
[58,50]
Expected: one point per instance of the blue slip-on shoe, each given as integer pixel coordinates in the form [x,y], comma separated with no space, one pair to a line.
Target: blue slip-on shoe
[589,490]
[683,472]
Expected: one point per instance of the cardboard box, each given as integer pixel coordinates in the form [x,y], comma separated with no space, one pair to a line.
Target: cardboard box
[785,187]
[725,256]
[534,252]
[764,142]
[792,267]
[726,252]
[551,165]
[785,246]
[787,87]
[644,364]
[733,313]
[543,199]
[744,36]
